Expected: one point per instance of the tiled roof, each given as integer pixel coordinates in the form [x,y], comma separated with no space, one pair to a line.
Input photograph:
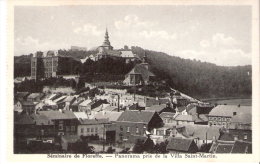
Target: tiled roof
[127,54]
[222,147]
[157,108]
[93,121]
[111,116]
[58,115]
[110,108]
[85,103]
[41,119]
[142,70]
[24,119]
[35,95]
[242,118]
[136,116]
[167,115]
[203,132]
[81,115]
[179,144]
[184,118]
[242,147]
[28,103]
[227,110]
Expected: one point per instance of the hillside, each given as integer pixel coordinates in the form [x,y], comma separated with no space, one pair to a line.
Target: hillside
[200,79]
[192,77]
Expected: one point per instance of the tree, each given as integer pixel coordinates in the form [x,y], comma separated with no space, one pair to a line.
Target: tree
[139,146]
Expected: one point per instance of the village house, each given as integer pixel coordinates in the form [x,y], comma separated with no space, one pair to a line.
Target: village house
[24,127]
[201,134]
[30,107]
[65,122]
[66,103]
[128,55]
[222,114]
[132,125]
[18,107]
[180,119]
[181,145]
[94,129]
[83,106]
[44,127]
[112,117]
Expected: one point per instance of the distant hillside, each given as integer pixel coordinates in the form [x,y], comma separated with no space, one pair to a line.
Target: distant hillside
[192,77]
[200,79]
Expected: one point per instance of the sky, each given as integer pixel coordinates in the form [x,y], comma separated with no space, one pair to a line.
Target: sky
[215,34]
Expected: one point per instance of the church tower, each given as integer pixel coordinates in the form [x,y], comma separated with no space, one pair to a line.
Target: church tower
[106,43]
[144,61]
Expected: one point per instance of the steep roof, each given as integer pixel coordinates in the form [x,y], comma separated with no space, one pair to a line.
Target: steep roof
[136,116]
[58,115]
[179,144]
[142,70]
[227,110]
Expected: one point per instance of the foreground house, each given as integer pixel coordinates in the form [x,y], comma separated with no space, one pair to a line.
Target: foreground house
[65,122]
[132,125]
[201,134]
[94,129]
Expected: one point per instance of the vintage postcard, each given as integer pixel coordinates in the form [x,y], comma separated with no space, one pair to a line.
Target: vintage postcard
[133,81]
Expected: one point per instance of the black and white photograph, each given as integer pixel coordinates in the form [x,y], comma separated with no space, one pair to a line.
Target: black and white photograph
[130,79]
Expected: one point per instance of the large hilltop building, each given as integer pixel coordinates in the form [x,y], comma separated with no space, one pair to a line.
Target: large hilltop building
[50,64]
[44,64]
[106,50]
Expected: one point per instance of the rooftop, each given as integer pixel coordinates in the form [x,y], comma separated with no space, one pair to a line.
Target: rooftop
[228,110]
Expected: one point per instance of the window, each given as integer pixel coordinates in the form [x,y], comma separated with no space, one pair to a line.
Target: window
[245,136]
[87,129]
[137,130]
[128,129]
[91,129]
[67,128]
[121,128]
[72,128]
[60,125]
[82,130]
[96,130]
